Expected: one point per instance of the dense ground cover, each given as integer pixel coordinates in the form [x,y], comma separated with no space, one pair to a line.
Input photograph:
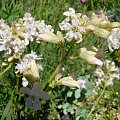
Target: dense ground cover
[60,62]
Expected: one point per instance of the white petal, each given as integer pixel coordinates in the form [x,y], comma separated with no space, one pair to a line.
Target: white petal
[24,82]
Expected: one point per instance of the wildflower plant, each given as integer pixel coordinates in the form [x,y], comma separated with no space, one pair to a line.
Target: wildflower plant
[15,41]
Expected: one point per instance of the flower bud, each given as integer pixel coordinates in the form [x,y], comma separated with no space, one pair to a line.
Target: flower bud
[89,56]
[101,32]
[93,48]
[95,20]
[89,28]
[20,34]
[24,82]
[74,16]
[10,58]
[52,38]
[104,24]
[4,64]
[68,81]
[32,74]
[114,25]
[83,1]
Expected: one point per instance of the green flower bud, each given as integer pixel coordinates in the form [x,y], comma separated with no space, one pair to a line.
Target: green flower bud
[68,81]
[114,25]
[89,28]
[52,38]
[89,56]
[10,58]
[101,32]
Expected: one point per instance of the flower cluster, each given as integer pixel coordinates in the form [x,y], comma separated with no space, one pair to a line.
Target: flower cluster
[10,43]
[76,24]
[32,29]
[14,39]
[107,73]
[73,24]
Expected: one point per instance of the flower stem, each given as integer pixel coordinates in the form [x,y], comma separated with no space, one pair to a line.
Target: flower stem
[96,103]
[6,69]
[59,65]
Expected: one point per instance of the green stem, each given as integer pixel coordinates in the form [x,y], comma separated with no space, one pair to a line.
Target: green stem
[59,65]
[96,103]
[6,69]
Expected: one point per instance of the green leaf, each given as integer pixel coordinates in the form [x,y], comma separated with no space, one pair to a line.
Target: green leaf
[78,118]
[8,117]
[77,93]
[5,113]
[66,105]
[89,88]
[75,101]
[69,94]
[70,109]
[60,106]
[88,93]
[65,112]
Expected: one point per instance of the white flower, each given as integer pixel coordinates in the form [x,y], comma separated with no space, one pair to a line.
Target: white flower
[70,12]
[81,84]
[65,26]
[22,66]
[73,35]
[14,39]
[74,30]
[27,17]
[10,43]
[24,82]
[74,25]
[107,73]
[25,63]
[99,72]
[28,67]
[114,39]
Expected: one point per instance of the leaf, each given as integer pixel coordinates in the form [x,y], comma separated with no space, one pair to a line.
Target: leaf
[78,118]
[88,93]
[69,94]
[89,88]
[89,85]
[77,93]
[66,105]
[60,106]
[65,112]
[70,109]
[75,101]
[6,111]
[8,117]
